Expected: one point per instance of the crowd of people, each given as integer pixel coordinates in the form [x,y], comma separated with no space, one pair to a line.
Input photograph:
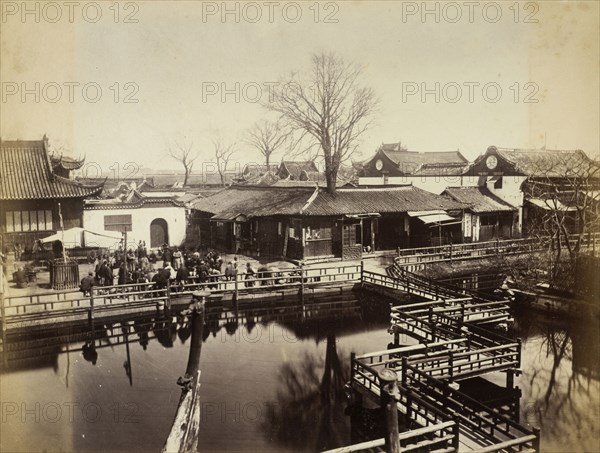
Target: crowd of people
[179,266]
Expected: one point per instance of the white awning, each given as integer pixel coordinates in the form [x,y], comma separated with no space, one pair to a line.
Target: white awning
[76,237]
[425,213]
[437,219]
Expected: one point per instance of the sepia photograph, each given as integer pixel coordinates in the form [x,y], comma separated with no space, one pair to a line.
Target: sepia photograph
[299,226]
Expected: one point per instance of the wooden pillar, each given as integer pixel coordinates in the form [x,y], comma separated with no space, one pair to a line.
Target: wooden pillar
[373,220]
[168,293]
[3,314]
[302,287]
[388,393]
[536,442]
[510,379]
[236,287]
[362,270]
[91,311]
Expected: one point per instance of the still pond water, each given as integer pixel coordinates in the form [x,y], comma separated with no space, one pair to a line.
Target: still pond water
[263,376]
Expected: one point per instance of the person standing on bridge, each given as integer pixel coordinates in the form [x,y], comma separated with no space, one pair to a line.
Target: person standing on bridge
[87,283]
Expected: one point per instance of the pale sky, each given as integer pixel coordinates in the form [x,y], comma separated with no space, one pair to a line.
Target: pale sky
[177,50]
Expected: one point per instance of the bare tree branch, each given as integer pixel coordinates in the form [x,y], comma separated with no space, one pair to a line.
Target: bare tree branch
[328,106]
[223,154]
[183,153]
[267,137]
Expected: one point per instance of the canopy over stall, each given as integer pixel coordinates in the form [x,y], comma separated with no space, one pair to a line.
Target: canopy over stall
[80,237]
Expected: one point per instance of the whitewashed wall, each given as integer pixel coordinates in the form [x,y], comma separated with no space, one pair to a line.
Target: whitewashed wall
[141,219]
[511,193]
[434,184]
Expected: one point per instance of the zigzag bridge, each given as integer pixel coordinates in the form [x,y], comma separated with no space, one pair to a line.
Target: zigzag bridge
[421,383]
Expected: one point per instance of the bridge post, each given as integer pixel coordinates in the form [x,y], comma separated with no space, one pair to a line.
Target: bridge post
[456,433]
[362,270]
[236,286]
[168,293]
[404,367]
[510,379]
[388,393]
[352,360]
[302,286]
[536,442]
[91,311]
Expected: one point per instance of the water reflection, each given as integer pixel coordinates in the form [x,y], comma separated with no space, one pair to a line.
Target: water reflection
[310,401]
[561,390]
[291,361]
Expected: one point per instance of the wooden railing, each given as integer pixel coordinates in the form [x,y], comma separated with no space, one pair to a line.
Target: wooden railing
[479,249]
[67,304]
[300,278]
[475,418]
[442,433]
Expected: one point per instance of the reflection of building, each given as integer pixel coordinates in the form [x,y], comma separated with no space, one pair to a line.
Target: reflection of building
[32,189]
[309,222]
[155,220]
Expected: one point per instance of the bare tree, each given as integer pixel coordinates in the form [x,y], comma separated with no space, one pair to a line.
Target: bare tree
[223,154]
[267,137]
[328,106]
[566,187]
[183,152]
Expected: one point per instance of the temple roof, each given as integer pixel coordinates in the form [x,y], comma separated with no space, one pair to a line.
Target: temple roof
[27,174]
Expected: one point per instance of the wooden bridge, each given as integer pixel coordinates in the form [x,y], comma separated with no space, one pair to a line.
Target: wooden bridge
[71,305]
[454,327]
[415,258]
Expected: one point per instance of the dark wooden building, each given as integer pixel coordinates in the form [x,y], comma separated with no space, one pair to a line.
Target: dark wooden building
[34,200]
[487,216]
[310,223]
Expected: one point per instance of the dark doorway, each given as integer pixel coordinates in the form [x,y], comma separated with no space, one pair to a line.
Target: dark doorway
[159,233]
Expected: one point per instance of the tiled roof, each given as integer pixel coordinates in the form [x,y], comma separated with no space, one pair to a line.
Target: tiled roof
[195,179]
[253,201]
[449,169]
[26,174]
[297,168]
[266,201]
[479,199]
[410,161]
[134,200]
[252,171]
[66,162]
[378,200]
[547,162]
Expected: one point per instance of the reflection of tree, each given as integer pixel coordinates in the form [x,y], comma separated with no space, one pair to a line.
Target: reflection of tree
[558,394]
[309,401]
